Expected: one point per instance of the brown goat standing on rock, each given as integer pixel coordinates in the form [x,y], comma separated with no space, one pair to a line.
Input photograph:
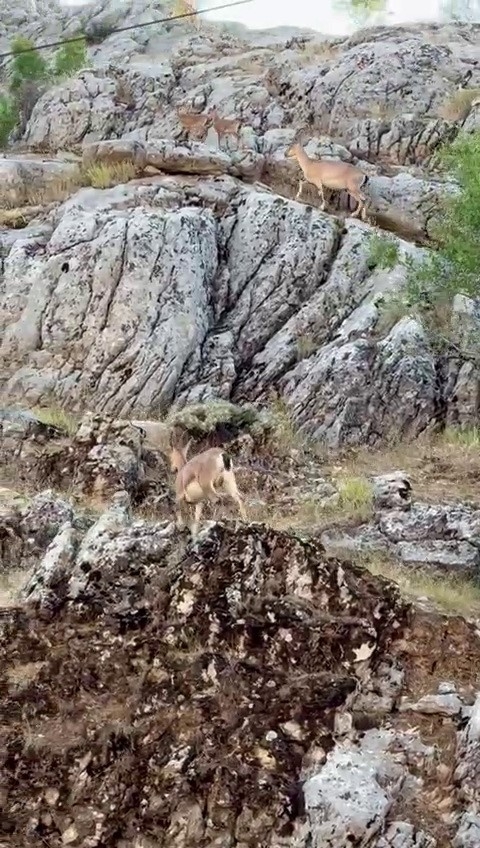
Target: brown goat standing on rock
[330,174]
[197,478]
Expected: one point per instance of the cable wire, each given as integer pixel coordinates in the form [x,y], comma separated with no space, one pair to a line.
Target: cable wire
[123,29]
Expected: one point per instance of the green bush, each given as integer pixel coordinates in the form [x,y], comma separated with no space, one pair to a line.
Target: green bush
[383,252]
[455,267]
[29,73]
[8,118]
[26,67]
[70,57]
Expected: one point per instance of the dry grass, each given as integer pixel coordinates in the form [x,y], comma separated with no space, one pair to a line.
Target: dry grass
[449,593]
[443,468]
[15,219]
[286,436]
[18,205]
[314,50]
[251,65]
[106,175]
[381,111]
[458,106]
[55,191]
[306,345]
[350,507]
[57,417]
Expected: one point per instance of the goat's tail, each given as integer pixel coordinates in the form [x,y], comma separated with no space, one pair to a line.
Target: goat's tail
[227,461]
[364,181]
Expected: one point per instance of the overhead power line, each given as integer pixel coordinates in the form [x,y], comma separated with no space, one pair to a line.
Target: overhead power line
[123,29]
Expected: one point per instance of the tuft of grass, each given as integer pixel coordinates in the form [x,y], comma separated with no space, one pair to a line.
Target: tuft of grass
[383,252]
[8,118]
[391,309]
[306,345]
[14,219]
[106,175]
[54,191]
[355,498]
[315,50]
[286,436]
[458,105]
[57,417]
[468,437]
[450,593]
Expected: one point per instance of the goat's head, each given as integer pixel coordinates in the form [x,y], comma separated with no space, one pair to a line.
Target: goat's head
[294,150]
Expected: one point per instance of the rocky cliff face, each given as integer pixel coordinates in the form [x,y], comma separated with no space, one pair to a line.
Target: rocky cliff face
[202,281]
[252,689]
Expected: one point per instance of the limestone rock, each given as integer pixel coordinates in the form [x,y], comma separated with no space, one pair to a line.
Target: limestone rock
[115,152]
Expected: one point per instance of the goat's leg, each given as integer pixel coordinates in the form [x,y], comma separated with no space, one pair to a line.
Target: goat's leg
[300,186]
[197,517]
[230,486]
[322,196]
[361,201]
[182,512]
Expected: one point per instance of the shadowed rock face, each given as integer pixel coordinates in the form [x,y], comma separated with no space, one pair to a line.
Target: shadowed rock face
[235,692]
[174,693]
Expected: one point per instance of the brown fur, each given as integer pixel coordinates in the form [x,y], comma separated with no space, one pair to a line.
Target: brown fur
[197,479]
[331,174]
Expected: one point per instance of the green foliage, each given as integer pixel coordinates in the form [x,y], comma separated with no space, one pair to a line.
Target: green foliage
[455,267]
[70,57]
[28,73]
[383,252]
[8,118]
[433,280]
[361,12]
[26,67]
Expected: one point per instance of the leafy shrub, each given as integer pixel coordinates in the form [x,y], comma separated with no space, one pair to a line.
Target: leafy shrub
[70,57]
[433,281]
[8,118]
[383,252]
[29,73]
[26,66]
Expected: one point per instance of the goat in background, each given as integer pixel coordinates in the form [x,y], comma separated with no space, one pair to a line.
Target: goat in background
[330,174]
[197,479]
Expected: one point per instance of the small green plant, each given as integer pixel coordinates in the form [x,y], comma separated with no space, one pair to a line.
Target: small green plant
[285,434]
[28,65]
[383,253]
[355,497]
[70,57]
[468,437]
[8,118]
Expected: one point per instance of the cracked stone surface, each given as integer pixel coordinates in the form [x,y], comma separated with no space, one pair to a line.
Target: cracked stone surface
[202,282]
[171,289]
